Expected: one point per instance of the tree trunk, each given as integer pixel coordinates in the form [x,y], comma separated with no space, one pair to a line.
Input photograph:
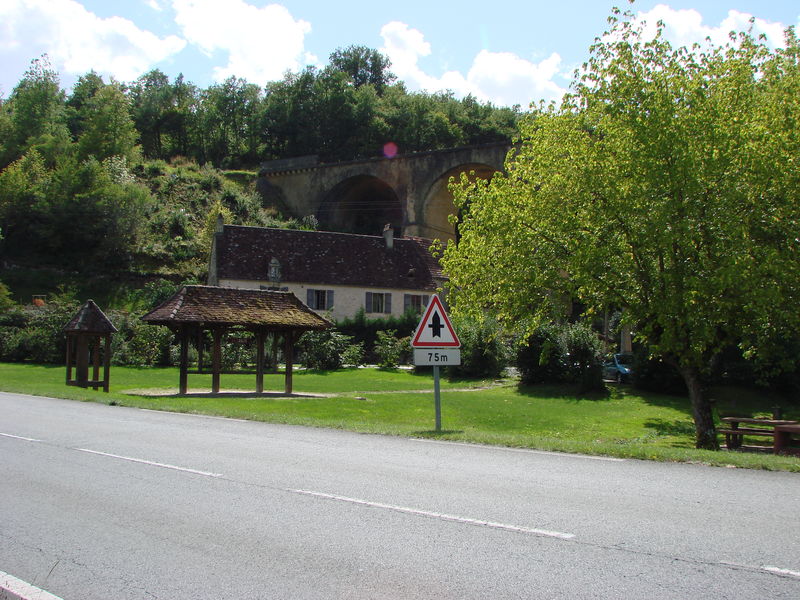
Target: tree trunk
[705,430]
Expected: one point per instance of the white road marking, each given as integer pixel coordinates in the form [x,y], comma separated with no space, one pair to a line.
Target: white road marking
[762,568]
[523,450]
[779,571]
[22,589]
[441,516]
[19,437]
[151,463]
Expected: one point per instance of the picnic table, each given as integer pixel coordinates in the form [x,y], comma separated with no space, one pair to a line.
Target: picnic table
[783,439]
[734,433]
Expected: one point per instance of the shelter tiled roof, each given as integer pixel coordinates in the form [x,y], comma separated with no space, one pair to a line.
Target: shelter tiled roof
[208,305]
[90,319]
[328,258]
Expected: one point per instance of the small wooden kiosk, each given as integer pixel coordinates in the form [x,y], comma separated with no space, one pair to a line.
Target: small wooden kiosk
[199,308]
[89,341]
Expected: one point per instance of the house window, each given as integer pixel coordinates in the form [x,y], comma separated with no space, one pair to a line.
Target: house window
[415,302]
[378,303]
[319,299]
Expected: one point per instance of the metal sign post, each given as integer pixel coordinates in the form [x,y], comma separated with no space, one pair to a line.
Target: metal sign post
[437,399]
[435,343]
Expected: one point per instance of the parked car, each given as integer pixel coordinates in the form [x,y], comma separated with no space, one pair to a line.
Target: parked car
[619,368]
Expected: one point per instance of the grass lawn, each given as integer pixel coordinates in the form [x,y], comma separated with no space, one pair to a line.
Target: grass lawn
[621,422]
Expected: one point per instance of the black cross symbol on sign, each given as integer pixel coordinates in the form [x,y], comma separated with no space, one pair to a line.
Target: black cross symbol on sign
[436,325]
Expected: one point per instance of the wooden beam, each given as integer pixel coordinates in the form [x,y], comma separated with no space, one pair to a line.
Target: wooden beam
[216,360]
[82,363]
[288,356]
[183,385]
[260,335]
[69,358]
[96,362]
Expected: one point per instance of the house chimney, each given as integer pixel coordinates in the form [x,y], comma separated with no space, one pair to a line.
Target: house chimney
[388,236]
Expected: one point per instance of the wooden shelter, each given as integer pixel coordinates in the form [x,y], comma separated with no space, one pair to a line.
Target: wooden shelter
[199,308]
[88,338]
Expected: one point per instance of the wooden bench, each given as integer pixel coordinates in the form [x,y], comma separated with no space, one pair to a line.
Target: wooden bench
[734,434]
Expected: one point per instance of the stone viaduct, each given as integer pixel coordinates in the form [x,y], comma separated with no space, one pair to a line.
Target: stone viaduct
[409,191]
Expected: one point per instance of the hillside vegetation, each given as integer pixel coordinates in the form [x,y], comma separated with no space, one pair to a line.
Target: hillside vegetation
[112,184]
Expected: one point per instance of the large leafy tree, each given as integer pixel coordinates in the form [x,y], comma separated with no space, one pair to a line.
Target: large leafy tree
[108,128]
[36,116]
[363,66]
[228,122]
[666,184]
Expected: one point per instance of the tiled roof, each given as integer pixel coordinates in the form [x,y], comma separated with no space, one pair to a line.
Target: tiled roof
[201,304]
[321,257]
[90,319]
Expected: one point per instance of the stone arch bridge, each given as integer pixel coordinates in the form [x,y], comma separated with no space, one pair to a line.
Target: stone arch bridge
[409,192]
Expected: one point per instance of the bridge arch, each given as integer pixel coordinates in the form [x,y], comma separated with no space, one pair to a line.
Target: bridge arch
[361,204]
[438,201]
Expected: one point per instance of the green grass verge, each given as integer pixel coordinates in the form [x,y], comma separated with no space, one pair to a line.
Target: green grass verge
[620,423]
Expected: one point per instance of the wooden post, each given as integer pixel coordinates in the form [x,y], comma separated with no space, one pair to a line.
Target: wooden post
[260,335]
[69,358]
[216,360]
[106,362]
[288,356]
[184,366]
[96,363]
[82,363]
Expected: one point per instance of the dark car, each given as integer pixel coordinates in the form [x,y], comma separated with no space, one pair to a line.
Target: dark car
[619,368]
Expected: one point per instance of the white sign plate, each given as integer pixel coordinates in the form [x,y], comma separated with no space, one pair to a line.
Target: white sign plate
[437,357]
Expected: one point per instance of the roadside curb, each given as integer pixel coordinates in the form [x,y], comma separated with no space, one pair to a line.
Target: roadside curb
[12,588]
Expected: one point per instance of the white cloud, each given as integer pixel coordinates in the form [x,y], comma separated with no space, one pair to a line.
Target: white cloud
[502,78]
[261,43]
[77,40]
[685,27]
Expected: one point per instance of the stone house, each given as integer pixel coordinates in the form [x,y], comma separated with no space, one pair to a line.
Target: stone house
[335,274]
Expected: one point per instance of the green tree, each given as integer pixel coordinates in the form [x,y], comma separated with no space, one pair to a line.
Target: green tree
[36,112]
[77,105]
[108,126]
[228,123]
[152,99]
[665,184]
[363,66]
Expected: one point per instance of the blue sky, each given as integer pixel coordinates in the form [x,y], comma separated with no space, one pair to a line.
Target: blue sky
[506,52]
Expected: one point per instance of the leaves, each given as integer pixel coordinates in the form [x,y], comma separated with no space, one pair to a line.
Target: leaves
[665,185]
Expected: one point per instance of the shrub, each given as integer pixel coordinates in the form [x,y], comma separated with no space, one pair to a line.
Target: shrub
[139,344]
[389,349]
[353,355]
[539,358]
[323,350]
[37,333]
[6,303]
[484,349]
[583,355]
[365,330]
[561,353]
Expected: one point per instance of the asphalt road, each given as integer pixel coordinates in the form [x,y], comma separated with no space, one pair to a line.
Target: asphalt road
[105,502]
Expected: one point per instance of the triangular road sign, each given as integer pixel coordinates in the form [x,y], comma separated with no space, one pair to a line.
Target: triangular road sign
[434,329]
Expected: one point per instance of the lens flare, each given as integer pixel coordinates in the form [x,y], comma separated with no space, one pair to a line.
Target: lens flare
[390,150]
